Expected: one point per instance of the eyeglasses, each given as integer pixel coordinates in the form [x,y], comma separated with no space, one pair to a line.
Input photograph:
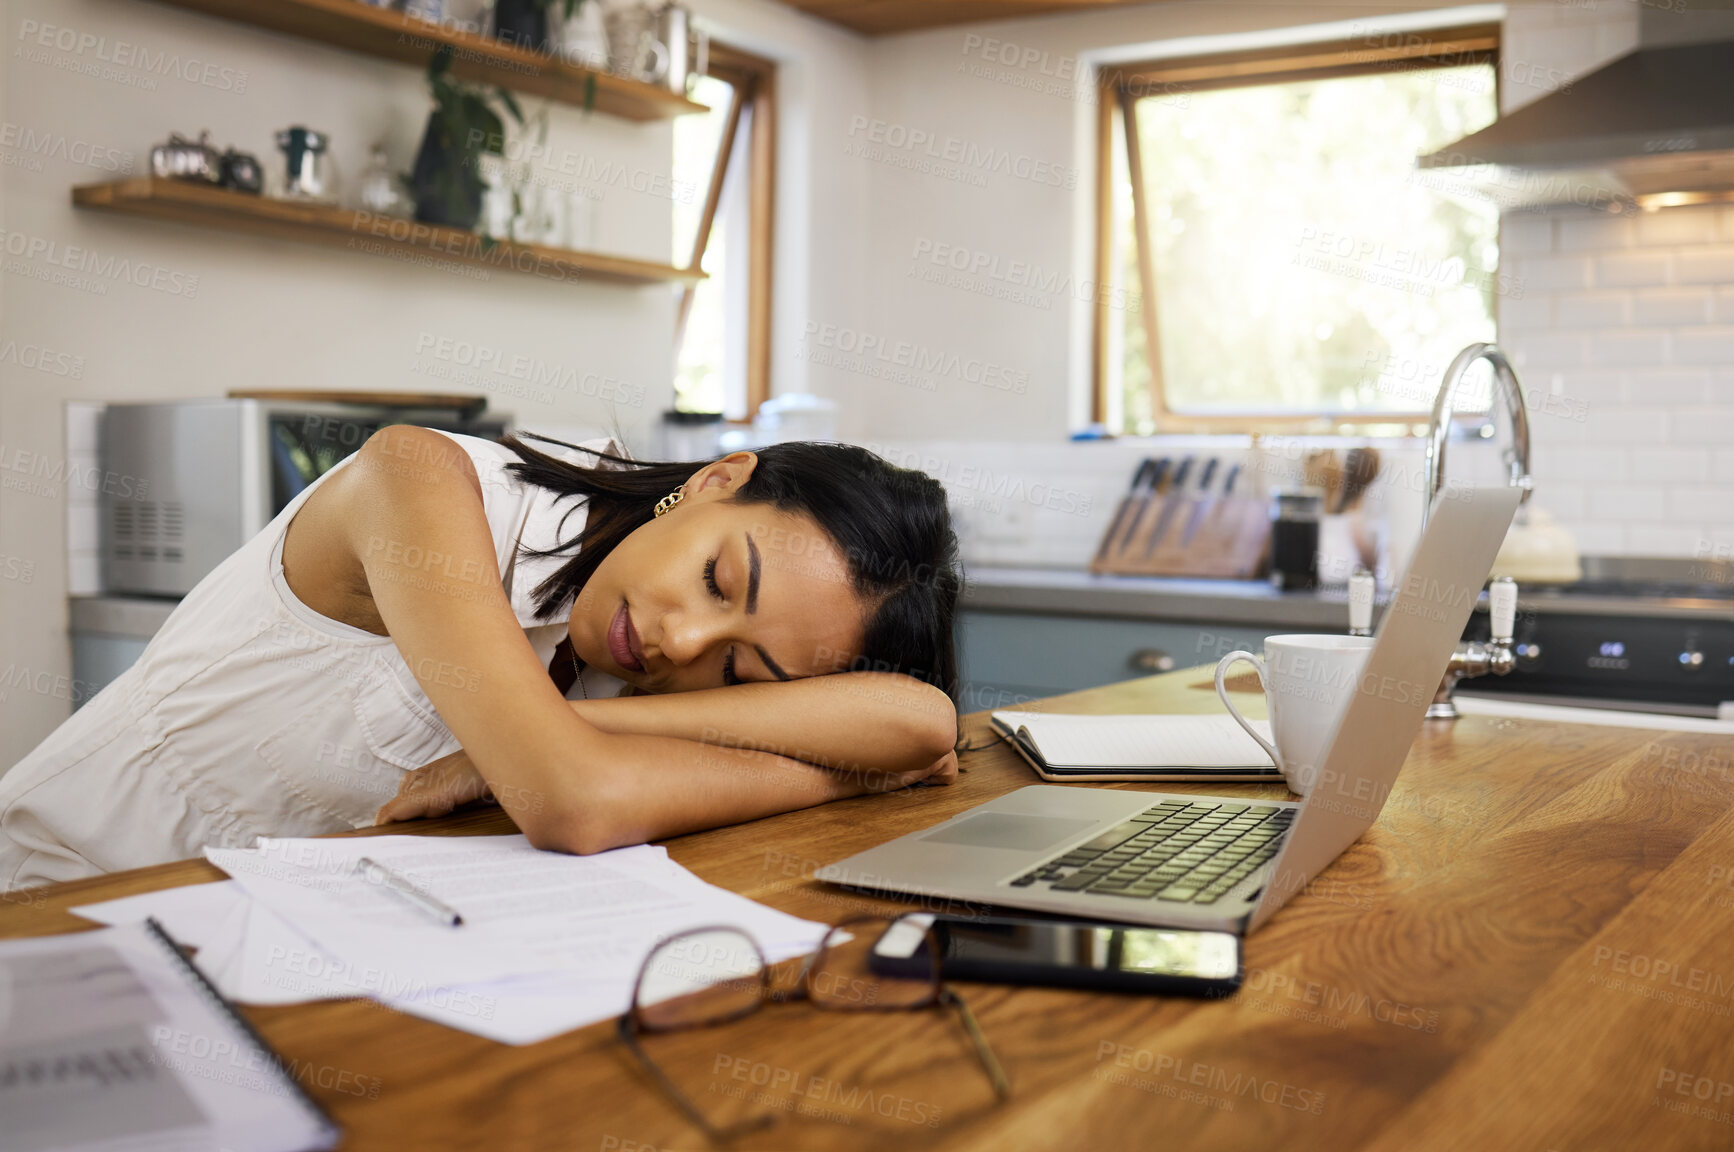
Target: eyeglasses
[714,975]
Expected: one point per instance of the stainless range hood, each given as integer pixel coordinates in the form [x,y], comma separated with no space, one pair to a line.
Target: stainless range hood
[1653,128]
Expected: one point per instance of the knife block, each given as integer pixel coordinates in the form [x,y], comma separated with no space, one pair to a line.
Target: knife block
[1231,539]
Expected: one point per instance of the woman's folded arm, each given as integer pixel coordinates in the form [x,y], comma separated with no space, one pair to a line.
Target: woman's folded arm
[652,787]
[856,722]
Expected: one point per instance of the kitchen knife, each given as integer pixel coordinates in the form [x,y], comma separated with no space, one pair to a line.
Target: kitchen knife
[1210,523]
[1140,475]
[1155,481]
[1175,497]
[1200,503]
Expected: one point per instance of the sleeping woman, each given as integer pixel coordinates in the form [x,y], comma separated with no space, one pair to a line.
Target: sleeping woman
[613,651]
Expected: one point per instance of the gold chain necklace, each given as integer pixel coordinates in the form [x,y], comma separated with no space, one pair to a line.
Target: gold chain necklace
[579,670]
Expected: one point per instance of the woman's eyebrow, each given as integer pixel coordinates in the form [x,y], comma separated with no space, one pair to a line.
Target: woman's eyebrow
[753,605]
[753,585]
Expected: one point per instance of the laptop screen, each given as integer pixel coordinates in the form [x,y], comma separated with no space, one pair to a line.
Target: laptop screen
[1429,608]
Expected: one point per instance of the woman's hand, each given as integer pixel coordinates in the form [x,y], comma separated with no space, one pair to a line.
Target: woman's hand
[435,789]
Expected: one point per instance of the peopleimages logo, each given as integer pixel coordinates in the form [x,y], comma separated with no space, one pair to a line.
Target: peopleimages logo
[121,54]
[1020,274]
[89,262]
[28,147]
[39,359]
[965,154]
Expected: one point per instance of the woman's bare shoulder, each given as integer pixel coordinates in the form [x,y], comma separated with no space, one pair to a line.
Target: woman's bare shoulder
[404,470]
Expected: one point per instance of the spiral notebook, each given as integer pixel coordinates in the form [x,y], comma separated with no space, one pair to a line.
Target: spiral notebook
[1061,746]
[114,1040]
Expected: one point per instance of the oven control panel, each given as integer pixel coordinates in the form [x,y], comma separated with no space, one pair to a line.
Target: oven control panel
[1672,661]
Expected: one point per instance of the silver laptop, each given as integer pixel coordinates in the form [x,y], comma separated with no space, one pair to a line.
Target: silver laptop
[1080,850]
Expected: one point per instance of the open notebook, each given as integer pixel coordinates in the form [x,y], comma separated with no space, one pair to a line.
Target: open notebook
[112,1041]
[1073,748]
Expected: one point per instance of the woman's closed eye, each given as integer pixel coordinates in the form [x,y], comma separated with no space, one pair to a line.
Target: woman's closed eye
[710,579]
[728,670]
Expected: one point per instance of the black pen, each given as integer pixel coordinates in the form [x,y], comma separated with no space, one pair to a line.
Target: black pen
[433,906]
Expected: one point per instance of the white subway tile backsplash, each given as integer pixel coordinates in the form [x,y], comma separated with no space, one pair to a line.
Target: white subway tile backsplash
[1592,309]
[83,514]
[1705,504]
[1650,465]
[1599,537]
[1714,346]
[1550,273]
[1526,234]
[1662,540]
[1627,426]
[1669,386]
[1547,351]
[1714,427]
[1670,465]
[83,574]
[1594,233]
[1629,347]
[1565,501]
[1528,312]
[1725,304]
[83,534]
[1570,395]
[1551,461]
[1627,502]
[83,425]
[1620,269]
[1687,225]
[1673,306]
[1705,265]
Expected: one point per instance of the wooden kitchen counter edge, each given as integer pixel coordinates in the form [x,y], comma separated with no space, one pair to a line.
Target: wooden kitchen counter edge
[1528,944]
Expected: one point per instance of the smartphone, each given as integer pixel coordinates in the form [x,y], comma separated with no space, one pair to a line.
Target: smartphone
[1065,953]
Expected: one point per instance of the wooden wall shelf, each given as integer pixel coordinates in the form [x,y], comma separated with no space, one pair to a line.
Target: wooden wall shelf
[308,223]
[390,35]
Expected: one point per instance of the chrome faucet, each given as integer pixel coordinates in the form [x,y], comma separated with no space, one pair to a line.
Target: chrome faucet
[1495,656]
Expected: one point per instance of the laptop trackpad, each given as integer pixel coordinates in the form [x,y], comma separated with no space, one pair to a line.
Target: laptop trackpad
[1000,830]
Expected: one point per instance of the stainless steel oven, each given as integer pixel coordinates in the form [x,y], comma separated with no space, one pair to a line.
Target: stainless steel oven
[203,476]
[1636,633]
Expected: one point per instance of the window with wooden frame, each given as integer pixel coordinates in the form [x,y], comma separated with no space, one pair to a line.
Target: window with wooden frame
[1271,257]
[724,208]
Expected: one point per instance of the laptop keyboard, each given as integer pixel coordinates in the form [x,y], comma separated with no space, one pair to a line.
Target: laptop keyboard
[1177,851]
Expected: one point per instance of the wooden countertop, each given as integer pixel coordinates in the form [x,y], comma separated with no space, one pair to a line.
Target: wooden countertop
[1533,948]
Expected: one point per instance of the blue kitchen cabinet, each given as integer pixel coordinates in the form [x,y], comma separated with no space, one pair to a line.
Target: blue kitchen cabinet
[1010,658]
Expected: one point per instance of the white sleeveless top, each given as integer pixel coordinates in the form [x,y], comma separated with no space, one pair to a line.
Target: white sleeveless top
[250,714]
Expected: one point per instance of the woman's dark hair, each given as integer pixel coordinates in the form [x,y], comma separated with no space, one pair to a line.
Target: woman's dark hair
[891,526]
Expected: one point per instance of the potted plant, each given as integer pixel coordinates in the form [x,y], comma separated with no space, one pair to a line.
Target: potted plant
[531,23]
[446,179]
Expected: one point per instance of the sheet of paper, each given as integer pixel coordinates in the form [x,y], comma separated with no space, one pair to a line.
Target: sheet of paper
[248,951]
[525,912]
[531,1009]
[1069,741]
[194,914]
[523,1011]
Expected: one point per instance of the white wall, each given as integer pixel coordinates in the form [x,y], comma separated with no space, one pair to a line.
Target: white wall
[822,194]
[270,314]
[951,85]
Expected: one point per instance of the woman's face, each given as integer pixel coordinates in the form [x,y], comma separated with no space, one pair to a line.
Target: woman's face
[716,592]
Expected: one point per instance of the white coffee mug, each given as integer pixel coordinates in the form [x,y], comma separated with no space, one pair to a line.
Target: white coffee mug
[1307,682]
